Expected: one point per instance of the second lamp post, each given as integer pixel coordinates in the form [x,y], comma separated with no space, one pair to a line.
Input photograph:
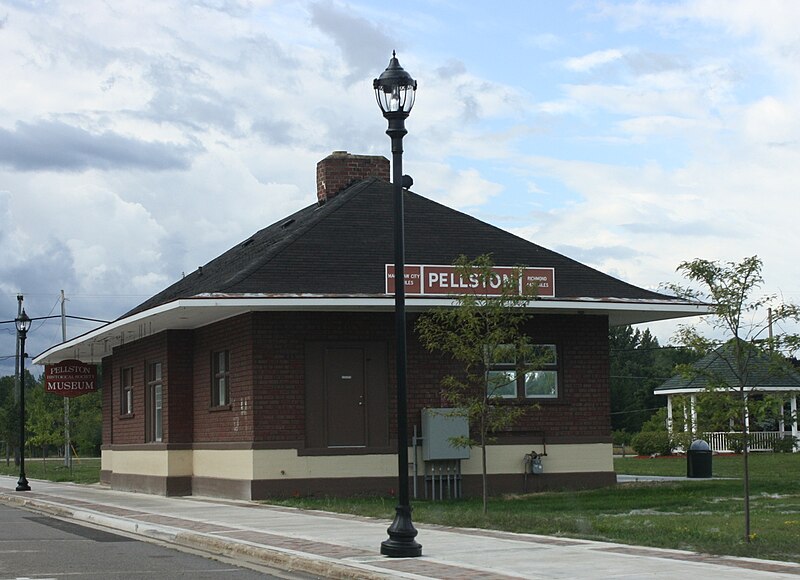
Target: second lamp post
[23,324]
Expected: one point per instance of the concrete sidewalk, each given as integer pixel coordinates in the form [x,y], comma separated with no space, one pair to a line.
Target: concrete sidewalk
[337,546]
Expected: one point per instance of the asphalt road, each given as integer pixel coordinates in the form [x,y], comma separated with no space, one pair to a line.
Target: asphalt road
[42,547]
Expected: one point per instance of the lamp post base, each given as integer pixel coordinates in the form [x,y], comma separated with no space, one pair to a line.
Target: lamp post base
[22,483]
[401,543]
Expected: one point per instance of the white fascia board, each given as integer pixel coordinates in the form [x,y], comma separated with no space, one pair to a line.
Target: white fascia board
[190,313]
[732,390]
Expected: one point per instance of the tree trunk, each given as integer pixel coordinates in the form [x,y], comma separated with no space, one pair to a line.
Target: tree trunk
[483,465]
[746,465]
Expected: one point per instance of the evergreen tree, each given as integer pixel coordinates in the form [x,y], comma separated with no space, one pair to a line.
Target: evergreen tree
[639,365]
[86,423]
[9,417]
[44,418]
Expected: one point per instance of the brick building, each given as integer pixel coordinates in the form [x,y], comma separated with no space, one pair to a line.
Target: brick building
[270,370]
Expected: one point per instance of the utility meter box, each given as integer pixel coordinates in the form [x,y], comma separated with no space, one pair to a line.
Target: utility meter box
[438,427]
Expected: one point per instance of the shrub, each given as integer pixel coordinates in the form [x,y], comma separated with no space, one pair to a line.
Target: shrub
[621,437]
[682,440]
[784,444]
[736,442]
[652,443]
[658,422]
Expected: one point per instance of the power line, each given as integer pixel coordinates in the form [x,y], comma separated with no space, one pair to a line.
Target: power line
[58,316]
[636,411]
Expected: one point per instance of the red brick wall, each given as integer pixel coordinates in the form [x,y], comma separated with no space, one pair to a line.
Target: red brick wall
[581,410]
[234,423]
[179,387]
[131,429]
[267,390]
[279,362]
[341,169]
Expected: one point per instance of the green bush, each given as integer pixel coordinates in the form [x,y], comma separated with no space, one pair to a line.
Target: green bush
[652,443]
[784,444]
[736,442]
[621,437]
[682,440]
[658,422]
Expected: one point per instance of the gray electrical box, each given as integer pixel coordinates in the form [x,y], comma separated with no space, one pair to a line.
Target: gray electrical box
[438,426]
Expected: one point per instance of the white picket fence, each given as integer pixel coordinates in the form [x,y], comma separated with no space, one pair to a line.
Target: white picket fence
[720,441]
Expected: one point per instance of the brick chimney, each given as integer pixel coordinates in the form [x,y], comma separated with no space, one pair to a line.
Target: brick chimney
[340,170]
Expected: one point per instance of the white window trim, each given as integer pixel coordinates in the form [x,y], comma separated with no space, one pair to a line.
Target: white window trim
[520,377]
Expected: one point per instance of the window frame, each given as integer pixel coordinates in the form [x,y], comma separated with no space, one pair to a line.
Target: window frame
[547,367]
[155,402]
[508,367]
[220,378]
[522,372]
[126,392]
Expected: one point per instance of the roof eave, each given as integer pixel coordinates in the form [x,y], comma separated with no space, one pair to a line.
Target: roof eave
[204,309]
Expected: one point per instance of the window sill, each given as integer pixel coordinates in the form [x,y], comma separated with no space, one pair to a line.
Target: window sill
[531,401]
[220,408]
[127,416]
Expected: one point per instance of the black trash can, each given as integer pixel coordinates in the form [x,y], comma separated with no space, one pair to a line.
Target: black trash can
[698,459]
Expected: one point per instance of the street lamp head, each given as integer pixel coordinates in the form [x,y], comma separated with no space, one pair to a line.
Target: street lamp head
[23,322]
[395,89]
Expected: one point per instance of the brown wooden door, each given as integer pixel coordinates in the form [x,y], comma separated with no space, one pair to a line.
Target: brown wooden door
[345,397]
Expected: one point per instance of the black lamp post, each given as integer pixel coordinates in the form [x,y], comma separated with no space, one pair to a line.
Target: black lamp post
[395,91]
[23,324]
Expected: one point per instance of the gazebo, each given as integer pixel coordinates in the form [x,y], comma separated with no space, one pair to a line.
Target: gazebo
[717,374]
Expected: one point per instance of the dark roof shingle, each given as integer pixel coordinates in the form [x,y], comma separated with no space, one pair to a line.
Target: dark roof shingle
[341,247]
[718,369]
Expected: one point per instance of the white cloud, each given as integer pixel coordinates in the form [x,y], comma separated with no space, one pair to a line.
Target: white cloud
[461,189]
[591,61]
[138,141]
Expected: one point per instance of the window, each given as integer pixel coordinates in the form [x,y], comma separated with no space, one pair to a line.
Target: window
[126,392]
[220,386]
[535,376]
[502,376]
[541,378]
[154,402]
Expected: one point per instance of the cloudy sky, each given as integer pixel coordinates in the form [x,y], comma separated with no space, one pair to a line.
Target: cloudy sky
[138,140]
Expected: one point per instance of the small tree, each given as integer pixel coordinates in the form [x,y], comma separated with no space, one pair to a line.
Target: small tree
[486,328]
[9,416]
[739,314]
[86,423]
[45,419]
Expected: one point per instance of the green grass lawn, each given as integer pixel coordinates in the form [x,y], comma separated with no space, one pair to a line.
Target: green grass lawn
[700,515]
[84,470]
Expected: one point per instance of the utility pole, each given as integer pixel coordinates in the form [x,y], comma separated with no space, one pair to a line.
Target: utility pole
[67,442]
[16,358]
[769,321]
[16,376]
